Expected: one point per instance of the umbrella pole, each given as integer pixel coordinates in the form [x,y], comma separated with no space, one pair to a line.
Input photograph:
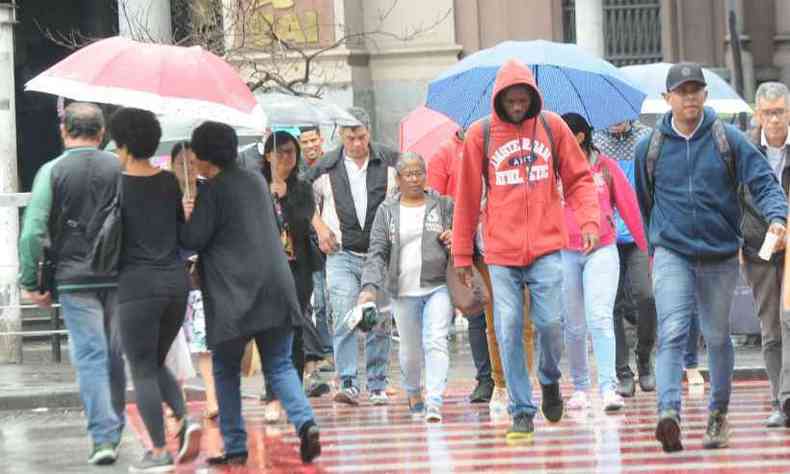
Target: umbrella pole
[184,159]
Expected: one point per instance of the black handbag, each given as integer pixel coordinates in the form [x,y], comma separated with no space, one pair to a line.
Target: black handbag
[45,272]
[106,251]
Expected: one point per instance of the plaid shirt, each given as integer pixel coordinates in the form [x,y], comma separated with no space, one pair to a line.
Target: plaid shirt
[622,147]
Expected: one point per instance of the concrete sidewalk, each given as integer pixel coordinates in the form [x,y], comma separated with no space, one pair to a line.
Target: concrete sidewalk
[39,383]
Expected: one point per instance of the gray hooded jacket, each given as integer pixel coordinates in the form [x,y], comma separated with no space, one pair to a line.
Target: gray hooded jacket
[382,266]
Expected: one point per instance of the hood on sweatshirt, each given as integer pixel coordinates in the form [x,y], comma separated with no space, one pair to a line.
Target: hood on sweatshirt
[514,73]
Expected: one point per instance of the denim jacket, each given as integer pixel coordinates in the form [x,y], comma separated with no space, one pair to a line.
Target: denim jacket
[382,266]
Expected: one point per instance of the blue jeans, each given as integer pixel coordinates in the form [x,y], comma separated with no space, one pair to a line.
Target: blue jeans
[96,353]
[682,284]
[343,275]
[590,287]
[691,356]
[544,278]
[424,323]
[274,346]
[320,311]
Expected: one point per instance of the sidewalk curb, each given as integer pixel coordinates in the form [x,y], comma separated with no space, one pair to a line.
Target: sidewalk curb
[71,399]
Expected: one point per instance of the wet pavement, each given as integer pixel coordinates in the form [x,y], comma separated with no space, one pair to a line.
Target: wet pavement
[387,439]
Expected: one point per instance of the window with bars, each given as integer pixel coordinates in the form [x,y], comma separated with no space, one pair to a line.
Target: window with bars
[632,30]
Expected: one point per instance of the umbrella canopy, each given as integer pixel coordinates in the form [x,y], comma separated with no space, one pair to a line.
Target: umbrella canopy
[651,78]
[570,79]
[424,130]
[287,110]
[170,80]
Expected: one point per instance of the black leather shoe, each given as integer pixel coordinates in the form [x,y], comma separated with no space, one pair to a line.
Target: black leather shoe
[310,447]
[626,387]
[482,393]
[235,459]
[668,431]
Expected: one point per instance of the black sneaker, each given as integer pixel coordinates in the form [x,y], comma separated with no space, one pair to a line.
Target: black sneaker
[103,454]
[188,441]
[668,431]
[314,387]
[718,433]
[522,429]
[349,394]
[626,387]
[154,463]
[552,405]
[482,393]
[647,379]
[235,459]
[310,447]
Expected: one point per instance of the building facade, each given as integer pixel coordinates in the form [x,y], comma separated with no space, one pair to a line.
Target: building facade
[387,51]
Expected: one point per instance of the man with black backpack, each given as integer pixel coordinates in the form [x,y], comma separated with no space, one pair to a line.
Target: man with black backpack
[521,152]
[687,175]
[70,198]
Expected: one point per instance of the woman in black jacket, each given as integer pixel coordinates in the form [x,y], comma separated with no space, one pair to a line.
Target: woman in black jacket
[248,289]
[294,208]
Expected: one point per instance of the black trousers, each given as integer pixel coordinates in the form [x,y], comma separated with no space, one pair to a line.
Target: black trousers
[635,302]
[148,328]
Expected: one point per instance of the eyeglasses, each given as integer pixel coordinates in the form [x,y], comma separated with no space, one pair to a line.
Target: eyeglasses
[773,113]
[412,174]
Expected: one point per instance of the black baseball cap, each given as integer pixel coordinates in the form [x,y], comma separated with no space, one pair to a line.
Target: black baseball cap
[682,73]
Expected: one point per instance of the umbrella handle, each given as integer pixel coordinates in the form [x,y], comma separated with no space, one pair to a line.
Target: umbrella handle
[185,164]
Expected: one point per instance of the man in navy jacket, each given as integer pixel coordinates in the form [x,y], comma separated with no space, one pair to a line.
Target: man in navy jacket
[688,198]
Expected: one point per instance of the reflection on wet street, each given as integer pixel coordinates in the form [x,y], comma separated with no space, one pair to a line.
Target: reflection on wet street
[387,439]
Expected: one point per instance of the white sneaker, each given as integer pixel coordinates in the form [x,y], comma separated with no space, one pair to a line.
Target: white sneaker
[499,400]
[612,401]
[579,401]
[272,412]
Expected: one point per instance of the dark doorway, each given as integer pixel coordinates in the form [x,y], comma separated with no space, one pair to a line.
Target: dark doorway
[40,22]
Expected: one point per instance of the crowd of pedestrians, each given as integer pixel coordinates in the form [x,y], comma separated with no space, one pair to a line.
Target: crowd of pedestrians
[573,231]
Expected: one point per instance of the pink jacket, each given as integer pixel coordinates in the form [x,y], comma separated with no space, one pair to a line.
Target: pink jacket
[622,197]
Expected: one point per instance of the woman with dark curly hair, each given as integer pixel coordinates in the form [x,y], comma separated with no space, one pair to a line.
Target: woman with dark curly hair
[152,287]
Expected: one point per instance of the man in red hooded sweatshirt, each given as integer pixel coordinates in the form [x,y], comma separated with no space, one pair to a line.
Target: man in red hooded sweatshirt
[524,229]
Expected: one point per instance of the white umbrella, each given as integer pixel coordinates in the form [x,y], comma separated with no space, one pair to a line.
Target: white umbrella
[651,79]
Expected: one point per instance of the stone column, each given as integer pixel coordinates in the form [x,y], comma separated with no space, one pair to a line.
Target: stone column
[782,40]
[145,20]
[10,315]
[589,26]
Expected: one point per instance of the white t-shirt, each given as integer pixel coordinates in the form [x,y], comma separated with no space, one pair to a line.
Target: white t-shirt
[411,226]
[358,181]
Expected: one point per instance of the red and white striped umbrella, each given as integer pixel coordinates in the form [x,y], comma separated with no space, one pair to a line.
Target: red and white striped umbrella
[170,80]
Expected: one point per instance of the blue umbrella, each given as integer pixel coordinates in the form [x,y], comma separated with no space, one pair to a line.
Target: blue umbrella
[570,79]
[651,78]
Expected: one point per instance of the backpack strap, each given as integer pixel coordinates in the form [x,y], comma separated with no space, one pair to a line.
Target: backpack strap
[554,158]
[725,151]
[486,124]
[653,153]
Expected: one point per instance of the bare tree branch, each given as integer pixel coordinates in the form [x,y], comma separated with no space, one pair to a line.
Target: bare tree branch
[272,61]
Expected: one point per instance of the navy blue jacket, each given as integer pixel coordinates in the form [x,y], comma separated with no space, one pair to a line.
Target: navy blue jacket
[695,205]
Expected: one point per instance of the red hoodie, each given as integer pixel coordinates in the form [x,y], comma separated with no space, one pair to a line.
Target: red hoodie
[443,166]
[526,219]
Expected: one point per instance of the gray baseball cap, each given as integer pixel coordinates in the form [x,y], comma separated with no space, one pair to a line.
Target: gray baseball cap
[682,73]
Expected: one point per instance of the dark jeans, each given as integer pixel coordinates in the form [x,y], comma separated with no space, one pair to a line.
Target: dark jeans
[322,322]
[634,295]
[479,344]
[148,329]
[274,346]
